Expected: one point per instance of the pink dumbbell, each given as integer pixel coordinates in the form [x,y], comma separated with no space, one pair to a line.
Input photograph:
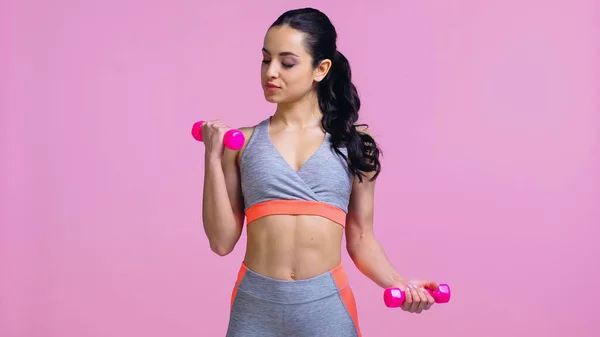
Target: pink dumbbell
[233,139]
[394,297]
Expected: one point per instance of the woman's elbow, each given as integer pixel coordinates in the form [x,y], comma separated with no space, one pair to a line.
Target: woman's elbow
[221,249]
[358,241]
[354,244]
[222,246]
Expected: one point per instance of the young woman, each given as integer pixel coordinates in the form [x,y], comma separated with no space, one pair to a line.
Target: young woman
[304,176]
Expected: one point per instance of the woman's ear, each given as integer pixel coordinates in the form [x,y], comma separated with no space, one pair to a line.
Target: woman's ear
[321,70]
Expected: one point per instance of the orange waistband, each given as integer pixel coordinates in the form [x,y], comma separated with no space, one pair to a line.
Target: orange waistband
[296,207]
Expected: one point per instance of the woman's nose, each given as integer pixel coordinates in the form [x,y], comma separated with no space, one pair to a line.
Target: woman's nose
[272,70]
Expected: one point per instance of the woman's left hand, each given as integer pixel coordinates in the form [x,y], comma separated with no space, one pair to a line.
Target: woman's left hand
[417,298]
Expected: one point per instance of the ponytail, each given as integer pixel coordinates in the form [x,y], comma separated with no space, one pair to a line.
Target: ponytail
[339,102]
[338,98]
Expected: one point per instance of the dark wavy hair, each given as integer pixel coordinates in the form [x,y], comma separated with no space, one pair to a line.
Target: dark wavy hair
[338,97]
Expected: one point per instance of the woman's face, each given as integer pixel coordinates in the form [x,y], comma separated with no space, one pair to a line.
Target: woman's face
[287,73]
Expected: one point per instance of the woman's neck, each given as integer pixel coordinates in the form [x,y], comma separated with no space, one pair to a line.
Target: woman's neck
[300,114]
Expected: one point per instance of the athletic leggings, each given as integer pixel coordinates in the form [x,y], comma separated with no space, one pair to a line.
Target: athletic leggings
[322,306]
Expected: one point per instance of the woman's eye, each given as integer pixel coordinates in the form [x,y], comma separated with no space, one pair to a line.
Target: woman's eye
[285,65]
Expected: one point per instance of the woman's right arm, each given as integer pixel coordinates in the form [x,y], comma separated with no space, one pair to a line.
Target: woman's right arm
[222,202]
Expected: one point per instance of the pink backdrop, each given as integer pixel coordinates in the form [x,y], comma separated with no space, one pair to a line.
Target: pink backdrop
[487,111]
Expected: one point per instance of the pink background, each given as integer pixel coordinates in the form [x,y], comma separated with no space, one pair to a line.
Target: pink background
[487,111]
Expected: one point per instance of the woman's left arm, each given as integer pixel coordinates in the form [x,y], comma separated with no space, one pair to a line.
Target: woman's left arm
[363,248]
[369,256]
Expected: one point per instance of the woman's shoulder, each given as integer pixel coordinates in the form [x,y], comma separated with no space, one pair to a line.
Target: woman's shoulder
[248,130]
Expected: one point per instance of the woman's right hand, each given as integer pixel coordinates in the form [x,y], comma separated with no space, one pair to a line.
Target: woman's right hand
[213,133]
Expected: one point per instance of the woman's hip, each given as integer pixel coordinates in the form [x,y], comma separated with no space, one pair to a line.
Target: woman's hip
[323,305]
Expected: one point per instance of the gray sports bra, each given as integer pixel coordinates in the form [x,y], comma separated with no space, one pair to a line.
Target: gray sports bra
[270,185]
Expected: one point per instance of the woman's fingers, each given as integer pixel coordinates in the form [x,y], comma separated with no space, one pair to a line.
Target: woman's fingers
[412,300]
[417,299]
[408,299]
[424,304]
[420,300]
[429,299]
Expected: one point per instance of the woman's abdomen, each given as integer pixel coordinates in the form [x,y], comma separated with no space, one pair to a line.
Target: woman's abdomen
[293,247]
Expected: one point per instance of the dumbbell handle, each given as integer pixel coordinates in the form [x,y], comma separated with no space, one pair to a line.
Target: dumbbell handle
[233,139]
[394,297]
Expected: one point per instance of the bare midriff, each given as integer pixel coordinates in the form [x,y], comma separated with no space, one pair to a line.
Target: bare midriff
[293,247]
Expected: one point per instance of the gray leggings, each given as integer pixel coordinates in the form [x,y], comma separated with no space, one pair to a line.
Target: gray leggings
[322,306]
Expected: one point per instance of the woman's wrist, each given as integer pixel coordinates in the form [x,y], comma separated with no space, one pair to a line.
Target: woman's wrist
[398,281]
[212,160]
